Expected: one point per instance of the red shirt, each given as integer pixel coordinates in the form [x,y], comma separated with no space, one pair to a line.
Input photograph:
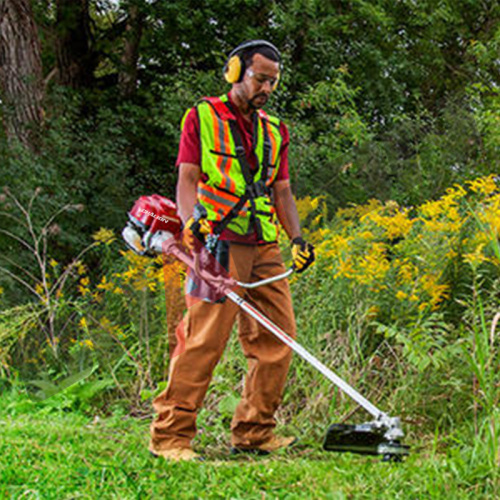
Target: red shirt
[190,152]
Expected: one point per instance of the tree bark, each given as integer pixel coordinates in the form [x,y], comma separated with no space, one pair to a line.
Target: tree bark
[127,78]
[75,61]
[21,79]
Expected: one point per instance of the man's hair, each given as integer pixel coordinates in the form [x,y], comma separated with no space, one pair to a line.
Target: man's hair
[267,52]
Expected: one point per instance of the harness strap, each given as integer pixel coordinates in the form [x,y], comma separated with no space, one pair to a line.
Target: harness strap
[267,150]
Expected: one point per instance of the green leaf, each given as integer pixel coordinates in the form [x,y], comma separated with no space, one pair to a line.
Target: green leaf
[228,405]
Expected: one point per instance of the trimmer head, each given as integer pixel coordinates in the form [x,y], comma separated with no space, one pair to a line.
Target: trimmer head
[370,438]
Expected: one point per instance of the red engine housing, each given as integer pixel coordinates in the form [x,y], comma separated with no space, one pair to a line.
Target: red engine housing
[156,213]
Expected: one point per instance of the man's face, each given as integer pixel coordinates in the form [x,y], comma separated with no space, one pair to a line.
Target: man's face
[258,82]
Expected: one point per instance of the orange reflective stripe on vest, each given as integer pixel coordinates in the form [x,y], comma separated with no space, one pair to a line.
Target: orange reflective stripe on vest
[223,149]
[221,201]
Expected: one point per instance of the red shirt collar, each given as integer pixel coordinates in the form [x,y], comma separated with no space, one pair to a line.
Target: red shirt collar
[239,115]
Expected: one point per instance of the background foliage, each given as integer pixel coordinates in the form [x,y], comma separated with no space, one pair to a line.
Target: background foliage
[393,113]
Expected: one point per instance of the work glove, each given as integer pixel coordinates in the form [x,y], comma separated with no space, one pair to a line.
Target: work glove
[194,232]
[302,254]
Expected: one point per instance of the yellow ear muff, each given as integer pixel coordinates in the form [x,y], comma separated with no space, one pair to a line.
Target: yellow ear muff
[233,69]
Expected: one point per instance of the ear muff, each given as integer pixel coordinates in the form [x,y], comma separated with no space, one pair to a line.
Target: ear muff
[232,70]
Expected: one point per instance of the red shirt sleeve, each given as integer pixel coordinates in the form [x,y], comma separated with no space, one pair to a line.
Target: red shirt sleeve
[189,145]
[283,169]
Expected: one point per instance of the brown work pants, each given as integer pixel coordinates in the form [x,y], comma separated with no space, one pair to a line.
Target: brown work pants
[206,328]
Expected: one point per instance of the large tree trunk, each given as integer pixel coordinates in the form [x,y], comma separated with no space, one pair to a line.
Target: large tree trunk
[75,61]
[21,83]
[127,78]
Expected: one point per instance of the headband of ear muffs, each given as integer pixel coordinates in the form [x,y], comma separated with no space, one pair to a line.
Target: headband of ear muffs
[234,69]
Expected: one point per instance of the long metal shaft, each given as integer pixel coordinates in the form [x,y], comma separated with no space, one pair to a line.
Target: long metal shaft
[193,263]
[302,352]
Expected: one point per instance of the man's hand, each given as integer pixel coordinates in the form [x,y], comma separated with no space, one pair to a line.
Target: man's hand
[302,254]
[194,232]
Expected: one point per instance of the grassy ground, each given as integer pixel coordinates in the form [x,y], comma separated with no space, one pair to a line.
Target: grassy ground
[45,453]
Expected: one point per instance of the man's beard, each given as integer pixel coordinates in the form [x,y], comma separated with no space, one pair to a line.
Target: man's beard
[252,104]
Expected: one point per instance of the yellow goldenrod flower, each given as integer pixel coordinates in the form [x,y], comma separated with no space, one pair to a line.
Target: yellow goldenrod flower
[453,214]
[432,209]
[484,185]
[366,235]
[436,292]
[105,284]
[307,205]
[104,236]
[490,217]
[345,268]
[357,211]
[374,265]
[371,206]
[80,268]
[105,323]
[53,262]
[477,257]
[393,219]
[317,220]
[334,246]
[88,344]
[442,226]
[457,192]
[83,323]
[400,295]
[406,272]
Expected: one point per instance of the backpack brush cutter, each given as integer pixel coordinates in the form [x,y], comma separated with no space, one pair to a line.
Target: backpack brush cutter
[152,227]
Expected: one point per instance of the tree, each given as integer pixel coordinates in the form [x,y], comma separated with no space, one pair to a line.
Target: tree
[75,59]
[127,78]
[21,83]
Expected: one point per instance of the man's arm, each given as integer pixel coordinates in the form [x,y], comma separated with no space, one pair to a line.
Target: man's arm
[286,209]
[189,175]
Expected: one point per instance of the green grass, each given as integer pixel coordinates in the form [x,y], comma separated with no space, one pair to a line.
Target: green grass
[45,453]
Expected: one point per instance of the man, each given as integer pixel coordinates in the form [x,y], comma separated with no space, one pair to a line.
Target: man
[233,160]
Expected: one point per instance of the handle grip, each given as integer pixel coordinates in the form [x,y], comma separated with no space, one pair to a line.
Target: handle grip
[267,280]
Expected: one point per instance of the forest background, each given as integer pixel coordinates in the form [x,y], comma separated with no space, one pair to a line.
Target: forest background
[393,109]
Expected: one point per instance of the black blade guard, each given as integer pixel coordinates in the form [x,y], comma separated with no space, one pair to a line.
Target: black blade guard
[366,439]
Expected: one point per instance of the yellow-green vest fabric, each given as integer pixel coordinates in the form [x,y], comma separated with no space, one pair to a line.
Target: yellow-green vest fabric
[225,183]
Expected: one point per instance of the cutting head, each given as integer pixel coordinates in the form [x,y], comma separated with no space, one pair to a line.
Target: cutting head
[369,438]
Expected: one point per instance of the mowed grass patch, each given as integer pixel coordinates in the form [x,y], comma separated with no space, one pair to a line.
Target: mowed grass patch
[53,454]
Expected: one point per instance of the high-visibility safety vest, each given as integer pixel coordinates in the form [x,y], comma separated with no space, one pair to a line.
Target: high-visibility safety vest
[235,196]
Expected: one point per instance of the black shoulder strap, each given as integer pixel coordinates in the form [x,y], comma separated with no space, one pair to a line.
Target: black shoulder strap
[232,214]
[267,150]
[240,149]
